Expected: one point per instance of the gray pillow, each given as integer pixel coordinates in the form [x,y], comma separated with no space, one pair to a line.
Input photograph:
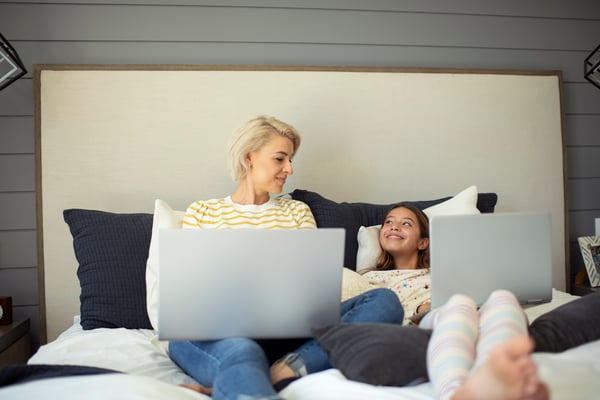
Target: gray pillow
[377,353]
[572,324]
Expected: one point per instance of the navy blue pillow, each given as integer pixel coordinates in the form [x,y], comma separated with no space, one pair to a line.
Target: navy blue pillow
[112,250]
[351,216]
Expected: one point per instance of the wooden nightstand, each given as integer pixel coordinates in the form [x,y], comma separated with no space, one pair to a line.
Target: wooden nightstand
[15,342]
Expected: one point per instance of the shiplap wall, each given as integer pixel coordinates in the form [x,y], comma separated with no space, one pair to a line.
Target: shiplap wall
[515,34]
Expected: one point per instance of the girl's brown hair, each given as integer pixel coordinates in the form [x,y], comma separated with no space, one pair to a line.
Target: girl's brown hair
[385,261]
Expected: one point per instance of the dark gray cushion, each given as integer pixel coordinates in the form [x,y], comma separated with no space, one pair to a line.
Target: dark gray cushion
[351,216]
[376,353]
[568,326]
[112,250]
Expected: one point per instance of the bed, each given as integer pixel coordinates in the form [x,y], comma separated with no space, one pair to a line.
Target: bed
[120,148]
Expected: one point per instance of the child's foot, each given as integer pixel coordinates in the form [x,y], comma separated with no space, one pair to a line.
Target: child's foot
[508,374]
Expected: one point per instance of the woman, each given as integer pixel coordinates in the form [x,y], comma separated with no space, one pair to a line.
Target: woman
[260,157]
[472,353]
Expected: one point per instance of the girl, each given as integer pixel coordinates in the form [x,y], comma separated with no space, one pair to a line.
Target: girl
[473,353]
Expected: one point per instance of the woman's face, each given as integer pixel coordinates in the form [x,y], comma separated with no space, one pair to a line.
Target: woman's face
[270,165]
[400,233]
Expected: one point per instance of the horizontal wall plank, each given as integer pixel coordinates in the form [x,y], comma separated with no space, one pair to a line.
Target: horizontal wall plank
[581,223]
[269,25]
[31,52]
[582,130]
[17,99]
[18,249]
[583,162]
[581,98]
[21,211]
[584,194]
[17,172]
[16,135]
[21,284]
[582,9]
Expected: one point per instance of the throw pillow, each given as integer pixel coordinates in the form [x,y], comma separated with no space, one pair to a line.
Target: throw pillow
[111,250]
[572,324]
[376,353]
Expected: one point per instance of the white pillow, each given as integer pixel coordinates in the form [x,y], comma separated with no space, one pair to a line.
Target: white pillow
[369,249]
[164,217]
[464,202]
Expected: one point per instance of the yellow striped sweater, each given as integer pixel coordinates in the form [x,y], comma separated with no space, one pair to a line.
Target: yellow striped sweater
[223,213]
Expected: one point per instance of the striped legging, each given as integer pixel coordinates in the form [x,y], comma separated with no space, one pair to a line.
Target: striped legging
[463,336]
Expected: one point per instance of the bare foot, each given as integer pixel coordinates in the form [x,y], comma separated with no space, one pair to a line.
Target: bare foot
[198,388]
[508,374]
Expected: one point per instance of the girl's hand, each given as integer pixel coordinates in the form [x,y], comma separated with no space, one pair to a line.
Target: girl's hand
[424,307]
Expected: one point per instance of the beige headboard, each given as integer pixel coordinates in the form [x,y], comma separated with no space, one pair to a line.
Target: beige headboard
[115,138]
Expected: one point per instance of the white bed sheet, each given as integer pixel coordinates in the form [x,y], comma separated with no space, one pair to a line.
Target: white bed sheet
[151,374]
[134,351]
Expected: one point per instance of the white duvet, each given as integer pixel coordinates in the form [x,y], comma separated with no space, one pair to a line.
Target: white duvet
[152,375]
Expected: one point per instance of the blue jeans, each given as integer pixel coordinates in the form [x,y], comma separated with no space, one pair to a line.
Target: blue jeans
[237,368]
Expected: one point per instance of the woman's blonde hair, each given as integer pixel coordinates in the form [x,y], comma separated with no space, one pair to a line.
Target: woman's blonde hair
[386,262]
[251,136]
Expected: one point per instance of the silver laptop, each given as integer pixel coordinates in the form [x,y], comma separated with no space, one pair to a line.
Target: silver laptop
[258,283]
[476,254]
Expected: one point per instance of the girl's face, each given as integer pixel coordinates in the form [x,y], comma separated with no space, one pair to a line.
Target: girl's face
[270,165]
[400,233]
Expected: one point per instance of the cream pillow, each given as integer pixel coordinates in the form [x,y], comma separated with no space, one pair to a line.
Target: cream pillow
[354,284]
[164,217]
[369,249]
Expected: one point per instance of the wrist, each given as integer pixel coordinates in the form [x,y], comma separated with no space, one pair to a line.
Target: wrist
[424,306]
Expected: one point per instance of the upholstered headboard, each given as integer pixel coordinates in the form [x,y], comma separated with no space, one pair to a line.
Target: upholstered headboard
[115,138]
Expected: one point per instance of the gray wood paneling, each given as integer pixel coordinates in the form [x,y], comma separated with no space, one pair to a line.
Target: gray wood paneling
[280,25]
[581,98]
[18,211]
[584,194]
[582,130]
[17,172]
[21,284]
[17,99]
[583,162]
[581,222]
[510,34]
[16,135]
[18,249]
[532,8]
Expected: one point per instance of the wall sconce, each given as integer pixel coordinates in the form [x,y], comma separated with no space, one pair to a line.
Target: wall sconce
[11,66]
[592,67]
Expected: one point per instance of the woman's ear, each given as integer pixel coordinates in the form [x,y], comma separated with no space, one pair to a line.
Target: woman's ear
[248,159]
[423,243]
